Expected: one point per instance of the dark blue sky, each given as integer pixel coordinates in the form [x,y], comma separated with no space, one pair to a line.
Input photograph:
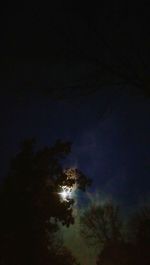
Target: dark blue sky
[114,150]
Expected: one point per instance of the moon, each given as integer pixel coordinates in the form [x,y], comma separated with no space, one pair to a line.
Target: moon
[66,193]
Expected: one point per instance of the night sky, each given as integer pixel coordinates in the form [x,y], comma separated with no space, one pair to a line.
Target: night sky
[109,129]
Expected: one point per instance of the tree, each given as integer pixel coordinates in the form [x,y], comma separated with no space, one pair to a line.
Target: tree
[139,226]
[63,256]
[139,234]
[119,241]
[31,206]
[103,227]
[117,253]
[101,224]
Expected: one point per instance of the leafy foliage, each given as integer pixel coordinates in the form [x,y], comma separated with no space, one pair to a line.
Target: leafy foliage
[31,207]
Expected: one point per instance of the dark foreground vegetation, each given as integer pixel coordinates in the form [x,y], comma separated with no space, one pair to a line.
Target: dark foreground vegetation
[120,240]
[31,208]
[31,211]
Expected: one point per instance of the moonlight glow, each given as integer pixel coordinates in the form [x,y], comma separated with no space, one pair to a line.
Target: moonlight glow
[66,193]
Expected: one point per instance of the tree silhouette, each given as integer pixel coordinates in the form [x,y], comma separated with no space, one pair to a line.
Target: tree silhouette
[116,253]
[139,225]
[139,235]
[120,241]
[101,224]
[31,207]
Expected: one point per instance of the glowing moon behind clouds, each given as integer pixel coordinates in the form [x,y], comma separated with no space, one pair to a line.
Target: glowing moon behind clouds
[66,193]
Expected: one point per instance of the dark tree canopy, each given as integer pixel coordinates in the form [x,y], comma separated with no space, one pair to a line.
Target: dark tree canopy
[31,207]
